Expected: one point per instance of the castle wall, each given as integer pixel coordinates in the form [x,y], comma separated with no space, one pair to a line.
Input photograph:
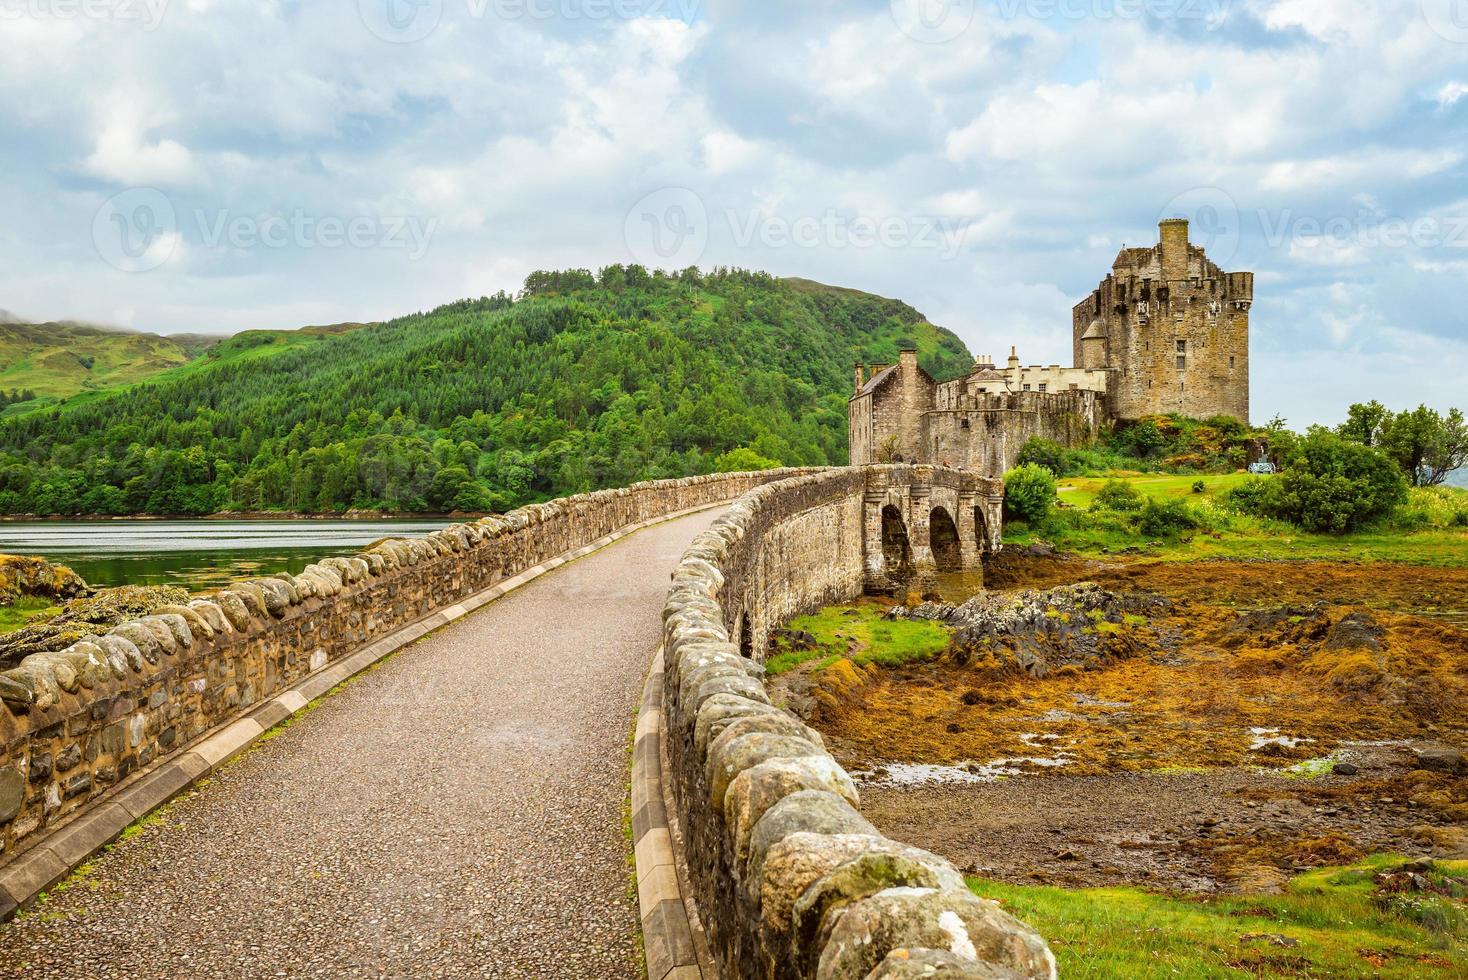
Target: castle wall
[987,437]
[860,428]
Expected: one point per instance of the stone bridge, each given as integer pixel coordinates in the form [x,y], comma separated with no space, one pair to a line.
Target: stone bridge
[921,520]
[456,807]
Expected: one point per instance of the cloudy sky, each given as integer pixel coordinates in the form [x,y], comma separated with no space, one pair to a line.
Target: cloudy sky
[214,165]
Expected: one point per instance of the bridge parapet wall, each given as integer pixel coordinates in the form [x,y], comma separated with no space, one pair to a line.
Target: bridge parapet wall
[790,880]
[78,722]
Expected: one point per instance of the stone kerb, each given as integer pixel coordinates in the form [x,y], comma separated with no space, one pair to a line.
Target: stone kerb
[789,879]
[78,723]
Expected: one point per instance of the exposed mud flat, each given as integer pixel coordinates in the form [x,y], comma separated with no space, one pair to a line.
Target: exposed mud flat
[1219,830]
[1201,734]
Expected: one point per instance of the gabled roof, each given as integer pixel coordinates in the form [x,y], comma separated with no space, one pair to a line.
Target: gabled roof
[877,380]
[1096,331]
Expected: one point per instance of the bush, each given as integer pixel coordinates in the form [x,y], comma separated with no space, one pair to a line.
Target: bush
[1329,485]
[1460,519]
[1043,452]
[1160,519]
[1119,495]
[1199,486]
[1029,492]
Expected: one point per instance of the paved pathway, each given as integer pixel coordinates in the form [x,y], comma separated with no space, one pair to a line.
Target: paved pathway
[456,812]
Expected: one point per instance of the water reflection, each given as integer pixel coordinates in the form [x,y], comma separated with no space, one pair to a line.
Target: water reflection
[197,554]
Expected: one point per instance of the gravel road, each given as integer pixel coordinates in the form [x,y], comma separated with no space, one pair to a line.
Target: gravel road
[457,811]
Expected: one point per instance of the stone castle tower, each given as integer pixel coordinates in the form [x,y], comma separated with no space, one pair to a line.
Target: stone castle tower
[1166,331]
[1174,328]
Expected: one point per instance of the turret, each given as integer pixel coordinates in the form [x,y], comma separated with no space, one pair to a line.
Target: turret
[1174,233]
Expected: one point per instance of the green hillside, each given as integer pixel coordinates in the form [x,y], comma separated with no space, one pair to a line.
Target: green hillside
[60,359]
[65,362]
[585,381]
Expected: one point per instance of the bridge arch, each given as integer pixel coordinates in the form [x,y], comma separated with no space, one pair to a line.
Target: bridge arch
[896,544]
[944,541]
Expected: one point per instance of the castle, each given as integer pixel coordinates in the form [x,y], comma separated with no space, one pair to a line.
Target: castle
[1166,331]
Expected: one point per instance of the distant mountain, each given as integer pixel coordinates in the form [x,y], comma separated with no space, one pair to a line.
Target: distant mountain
[7,317]
[584,381]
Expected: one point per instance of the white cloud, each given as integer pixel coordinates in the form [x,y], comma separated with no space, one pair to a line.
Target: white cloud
[1048,142]
[1450,94]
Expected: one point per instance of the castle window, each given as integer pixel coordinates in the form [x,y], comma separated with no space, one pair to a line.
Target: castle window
[963,423]
[1182,362]
[1042,386]
[1182,346]
[1027,387]
[1230,363]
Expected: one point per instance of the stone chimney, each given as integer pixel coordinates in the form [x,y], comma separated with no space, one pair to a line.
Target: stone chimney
[1014,358]
[859,380]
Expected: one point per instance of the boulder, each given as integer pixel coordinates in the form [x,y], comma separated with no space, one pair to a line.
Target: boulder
[1441,758]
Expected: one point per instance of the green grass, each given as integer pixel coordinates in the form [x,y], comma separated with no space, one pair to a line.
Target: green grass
[890,643]
[1408,536]
[1343,929]
[1080,491]
[26,609]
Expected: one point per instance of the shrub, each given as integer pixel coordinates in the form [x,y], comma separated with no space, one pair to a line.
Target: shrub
[1329,485]
[1043,452]
[1160,519]
[1029,492]
[1119,495]
[1460,519]
[1199,486]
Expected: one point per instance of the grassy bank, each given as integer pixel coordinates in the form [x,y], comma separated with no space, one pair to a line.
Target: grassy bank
[1420,533]
[858,632]
[24,610]
[1335,922]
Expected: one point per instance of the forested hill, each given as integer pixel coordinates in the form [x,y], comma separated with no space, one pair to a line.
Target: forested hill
[584,381]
